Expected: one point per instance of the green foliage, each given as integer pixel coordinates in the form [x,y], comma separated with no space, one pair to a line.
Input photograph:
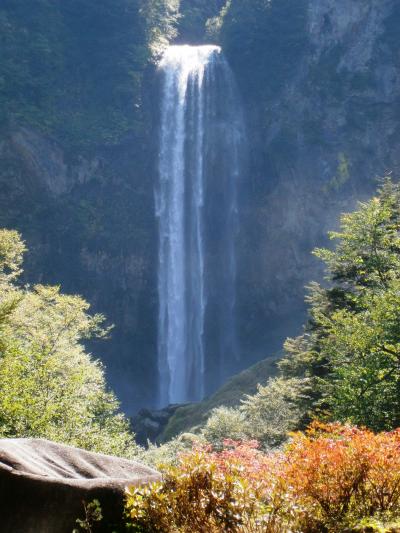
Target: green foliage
[193,416]
[197,17]
[272,412]
[266,416]
[75,69]
[374,525]
[12,249]
[225,423]
[93,514]
[342,175]
[50,386]
[262,37]
[350,351]
[31,59]
[363,349]
[367,254]
[161,18]
[168,453]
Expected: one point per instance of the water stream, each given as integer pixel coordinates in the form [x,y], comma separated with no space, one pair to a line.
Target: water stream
[201,135]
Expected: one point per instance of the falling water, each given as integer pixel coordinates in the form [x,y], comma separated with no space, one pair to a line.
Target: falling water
[201,134]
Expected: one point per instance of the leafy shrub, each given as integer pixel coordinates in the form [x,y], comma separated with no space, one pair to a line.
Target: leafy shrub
[50,387]
[201,493]
[168,453]
[266,416]
[223,423]
[331,478]
[272,412]
[341,474]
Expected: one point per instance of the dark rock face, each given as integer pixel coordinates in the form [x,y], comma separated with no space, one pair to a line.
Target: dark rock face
[149,424]
[89,224]
[43,486]
[317,141]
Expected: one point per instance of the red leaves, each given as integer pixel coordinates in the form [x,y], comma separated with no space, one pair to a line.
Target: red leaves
[330,475]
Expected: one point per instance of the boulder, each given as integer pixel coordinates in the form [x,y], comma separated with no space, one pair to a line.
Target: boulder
[149,424]
[44,486]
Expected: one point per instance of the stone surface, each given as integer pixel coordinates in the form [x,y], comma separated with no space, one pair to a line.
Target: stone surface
[43,485]
[316,146]
[149,424]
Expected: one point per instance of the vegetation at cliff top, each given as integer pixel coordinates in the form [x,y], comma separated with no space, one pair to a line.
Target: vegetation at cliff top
[50,387]
[276,42]
[75,69]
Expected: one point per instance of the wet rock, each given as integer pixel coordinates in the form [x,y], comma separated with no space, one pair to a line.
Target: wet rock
[149,424]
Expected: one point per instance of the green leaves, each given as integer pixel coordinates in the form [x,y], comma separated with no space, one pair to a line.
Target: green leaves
[49,385]
[364,352]
[12,249]
[367,252]
[351,348]
[160,17]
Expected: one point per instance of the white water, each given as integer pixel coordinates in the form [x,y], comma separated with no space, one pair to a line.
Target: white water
[196,206]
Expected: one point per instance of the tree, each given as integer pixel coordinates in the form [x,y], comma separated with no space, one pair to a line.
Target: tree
[266,416]
[363,348]
[50,386]
[160,17]
[261,37]
[350,350]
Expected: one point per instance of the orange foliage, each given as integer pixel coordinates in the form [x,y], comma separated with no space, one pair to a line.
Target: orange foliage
[326,479]
[335,470]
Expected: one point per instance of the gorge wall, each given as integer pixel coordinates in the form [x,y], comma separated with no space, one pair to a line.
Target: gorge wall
[320,82]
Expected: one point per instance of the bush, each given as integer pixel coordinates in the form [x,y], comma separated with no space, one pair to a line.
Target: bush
[331,478]
[223,423]
[272,412]
[50,387]
[168,453]
[201,493]
[266,416]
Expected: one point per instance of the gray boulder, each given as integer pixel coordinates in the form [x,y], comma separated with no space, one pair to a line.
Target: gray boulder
[44,486]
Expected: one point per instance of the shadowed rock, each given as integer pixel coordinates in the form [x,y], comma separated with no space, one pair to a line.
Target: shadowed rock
[43,486]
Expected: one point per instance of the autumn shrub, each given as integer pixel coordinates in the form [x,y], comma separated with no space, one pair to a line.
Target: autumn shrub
[330,478]
[341,474]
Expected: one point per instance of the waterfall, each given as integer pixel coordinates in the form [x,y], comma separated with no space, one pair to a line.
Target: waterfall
[201,134]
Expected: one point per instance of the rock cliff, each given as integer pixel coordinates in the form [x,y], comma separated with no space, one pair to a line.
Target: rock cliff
[320,81]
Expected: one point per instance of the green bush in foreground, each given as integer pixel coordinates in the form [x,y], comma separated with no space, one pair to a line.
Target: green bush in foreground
[266,416]
[50,387]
